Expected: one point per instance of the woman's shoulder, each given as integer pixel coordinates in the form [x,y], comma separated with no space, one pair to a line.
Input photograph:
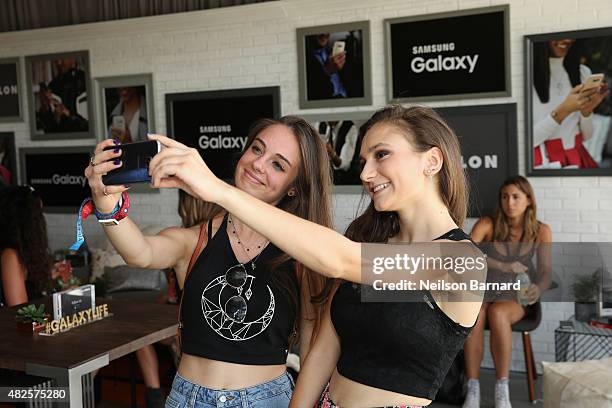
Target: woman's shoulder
[484,227]
[544,232]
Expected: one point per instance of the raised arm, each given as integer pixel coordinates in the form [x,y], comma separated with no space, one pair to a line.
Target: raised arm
[167,249]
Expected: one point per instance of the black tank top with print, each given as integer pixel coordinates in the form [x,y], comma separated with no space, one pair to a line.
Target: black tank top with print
[239,314]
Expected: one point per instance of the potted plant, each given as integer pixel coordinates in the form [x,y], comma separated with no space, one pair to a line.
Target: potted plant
[31,318]
[586,292]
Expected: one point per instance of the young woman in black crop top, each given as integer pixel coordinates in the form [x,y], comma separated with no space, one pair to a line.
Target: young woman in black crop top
[511,238]
[412,171]
[243,297]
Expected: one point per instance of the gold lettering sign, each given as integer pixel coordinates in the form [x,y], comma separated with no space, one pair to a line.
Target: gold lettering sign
[77,319]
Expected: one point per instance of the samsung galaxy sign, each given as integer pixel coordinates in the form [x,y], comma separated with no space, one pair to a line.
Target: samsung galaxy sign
[442,55]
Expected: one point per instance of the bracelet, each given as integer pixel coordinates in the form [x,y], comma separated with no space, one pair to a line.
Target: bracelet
[87,207]
[119,212]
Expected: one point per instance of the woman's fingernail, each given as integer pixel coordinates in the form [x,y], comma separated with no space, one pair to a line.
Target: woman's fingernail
[116,162]
[115,141]
[117,150]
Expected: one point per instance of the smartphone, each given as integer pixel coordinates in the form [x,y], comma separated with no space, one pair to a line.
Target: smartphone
[135,158]
[338,48]
[592,81]
[118,123]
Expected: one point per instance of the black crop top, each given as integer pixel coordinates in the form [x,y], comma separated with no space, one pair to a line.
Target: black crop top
[404,347]
[213,326]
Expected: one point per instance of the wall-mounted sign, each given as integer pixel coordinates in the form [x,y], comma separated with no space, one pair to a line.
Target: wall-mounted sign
[57,174]
[463,54]
[217,122]
[10,98]
[488,138]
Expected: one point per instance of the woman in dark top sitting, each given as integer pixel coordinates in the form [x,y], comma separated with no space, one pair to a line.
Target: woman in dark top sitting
[244,298]
[24,251]
[512,237]
[377,354]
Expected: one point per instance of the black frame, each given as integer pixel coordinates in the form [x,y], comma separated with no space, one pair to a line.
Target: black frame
[509,111]
[528,43]
[469,12]
[49,150]
[19,117]
[34,134]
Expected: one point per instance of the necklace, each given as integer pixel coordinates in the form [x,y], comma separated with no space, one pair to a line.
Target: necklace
[245,249]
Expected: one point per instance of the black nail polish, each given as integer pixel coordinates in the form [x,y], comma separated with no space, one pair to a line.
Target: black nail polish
[116,142]
[117,150]
[117,162]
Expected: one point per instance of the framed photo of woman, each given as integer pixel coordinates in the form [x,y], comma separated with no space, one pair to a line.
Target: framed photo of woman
[568,105]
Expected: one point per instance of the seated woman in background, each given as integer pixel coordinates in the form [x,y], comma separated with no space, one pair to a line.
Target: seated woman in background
[24,251]
[514,222]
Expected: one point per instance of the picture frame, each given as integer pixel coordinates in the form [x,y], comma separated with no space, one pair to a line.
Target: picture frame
[56,173]
[11,108]
[207,121]
[112,95]
[8,159]
[341,131]
[341,48]
[562,141]
[59,92]
[433,57]
[488,160]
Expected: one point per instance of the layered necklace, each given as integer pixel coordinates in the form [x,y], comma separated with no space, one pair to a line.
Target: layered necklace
[244,248]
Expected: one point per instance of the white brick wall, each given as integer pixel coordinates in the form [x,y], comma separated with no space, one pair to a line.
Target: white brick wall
[255,45]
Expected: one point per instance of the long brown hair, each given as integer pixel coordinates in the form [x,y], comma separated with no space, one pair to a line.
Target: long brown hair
[424,129]
[23,228]
[312,201]
[192,210]
[531,226]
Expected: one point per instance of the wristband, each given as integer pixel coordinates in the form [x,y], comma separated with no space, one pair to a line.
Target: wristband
[87,207]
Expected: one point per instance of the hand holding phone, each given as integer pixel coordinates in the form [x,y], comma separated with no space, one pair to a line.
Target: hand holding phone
[592,82]
[135,159]
[338,48]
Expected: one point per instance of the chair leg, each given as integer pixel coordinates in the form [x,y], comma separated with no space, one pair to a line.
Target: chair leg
[529,365]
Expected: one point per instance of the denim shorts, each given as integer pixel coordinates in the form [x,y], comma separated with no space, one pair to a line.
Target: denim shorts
[275,393]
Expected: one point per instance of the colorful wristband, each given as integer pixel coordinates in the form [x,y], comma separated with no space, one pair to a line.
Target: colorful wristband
[87,207]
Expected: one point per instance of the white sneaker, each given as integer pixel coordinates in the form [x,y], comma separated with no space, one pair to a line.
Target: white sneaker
[472,399]
[502,394]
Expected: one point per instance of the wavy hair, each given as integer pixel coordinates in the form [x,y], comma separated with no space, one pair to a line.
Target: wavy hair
[24,229]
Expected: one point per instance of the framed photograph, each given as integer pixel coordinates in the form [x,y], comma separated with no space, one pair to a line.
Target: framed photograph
[125,108]
[334,65]
[217,122]
[568,109]
[8,159]
[340,131]
[434,57]
[59,96]
[56,173]
[10,90]
[489,150]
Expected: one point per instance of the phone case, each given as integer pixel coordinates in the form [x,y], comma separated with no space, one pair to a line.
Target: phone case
[135,160]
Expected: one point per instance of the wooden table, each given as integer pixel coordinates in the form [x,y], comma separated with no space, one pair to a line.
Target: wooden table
[67,356]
